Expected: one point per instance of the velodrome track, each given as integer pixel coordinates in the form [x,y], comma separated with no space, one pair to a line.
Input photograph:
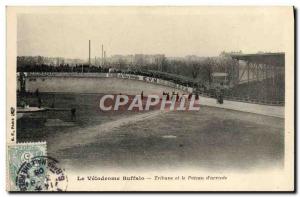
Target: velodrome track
[114,85]
[240,135]
[275,111]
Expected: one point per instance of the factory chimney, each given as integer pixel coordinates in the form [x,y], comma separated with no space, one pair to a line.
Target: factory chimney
[102,55]
[89,52]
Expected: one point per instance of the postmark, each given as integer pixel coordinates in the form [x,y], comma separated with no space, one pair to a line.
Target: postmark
[20,153]
[41,173]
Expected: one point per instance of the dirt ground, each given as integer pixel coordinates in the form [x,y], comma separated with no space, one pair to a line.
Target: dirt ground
[212,138]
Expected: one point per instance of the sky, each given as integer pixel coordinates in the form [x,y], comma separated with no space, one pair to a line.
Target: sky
[173,31]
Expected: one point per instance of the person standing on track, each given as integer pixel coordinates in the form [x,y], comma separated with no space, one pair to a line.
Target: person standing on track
[142,95]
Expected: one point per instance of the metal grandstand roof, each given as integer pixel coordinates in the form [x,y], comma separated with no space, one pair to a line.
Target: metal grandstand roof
[273,59]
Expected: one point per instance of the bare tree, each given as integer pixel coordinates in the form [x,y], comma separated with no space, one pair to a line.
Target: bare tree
[195,70]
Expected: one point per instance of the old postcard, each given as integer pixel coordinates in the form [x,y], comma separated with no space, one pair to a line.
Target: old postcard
[150,99]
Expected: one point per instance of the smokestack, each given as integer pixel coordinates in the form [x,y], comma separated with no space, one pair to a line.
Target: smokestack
[102,54]
[89,52]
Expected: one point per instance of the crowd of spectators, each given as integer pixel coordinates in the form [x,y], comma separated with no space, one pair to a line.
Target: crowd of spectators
[178,79]
[61,68]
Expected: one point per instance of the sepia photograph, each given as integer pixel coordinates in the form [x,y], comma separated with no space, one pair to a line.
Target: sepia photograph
[150,98]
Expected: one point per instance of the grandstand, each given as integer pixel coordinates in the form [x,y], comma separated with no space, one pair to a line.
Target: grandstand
[264,81]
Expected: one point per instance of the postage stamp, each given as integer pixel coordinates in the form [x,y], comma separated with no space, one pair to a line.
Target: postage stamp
[32,170]
[22,153]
